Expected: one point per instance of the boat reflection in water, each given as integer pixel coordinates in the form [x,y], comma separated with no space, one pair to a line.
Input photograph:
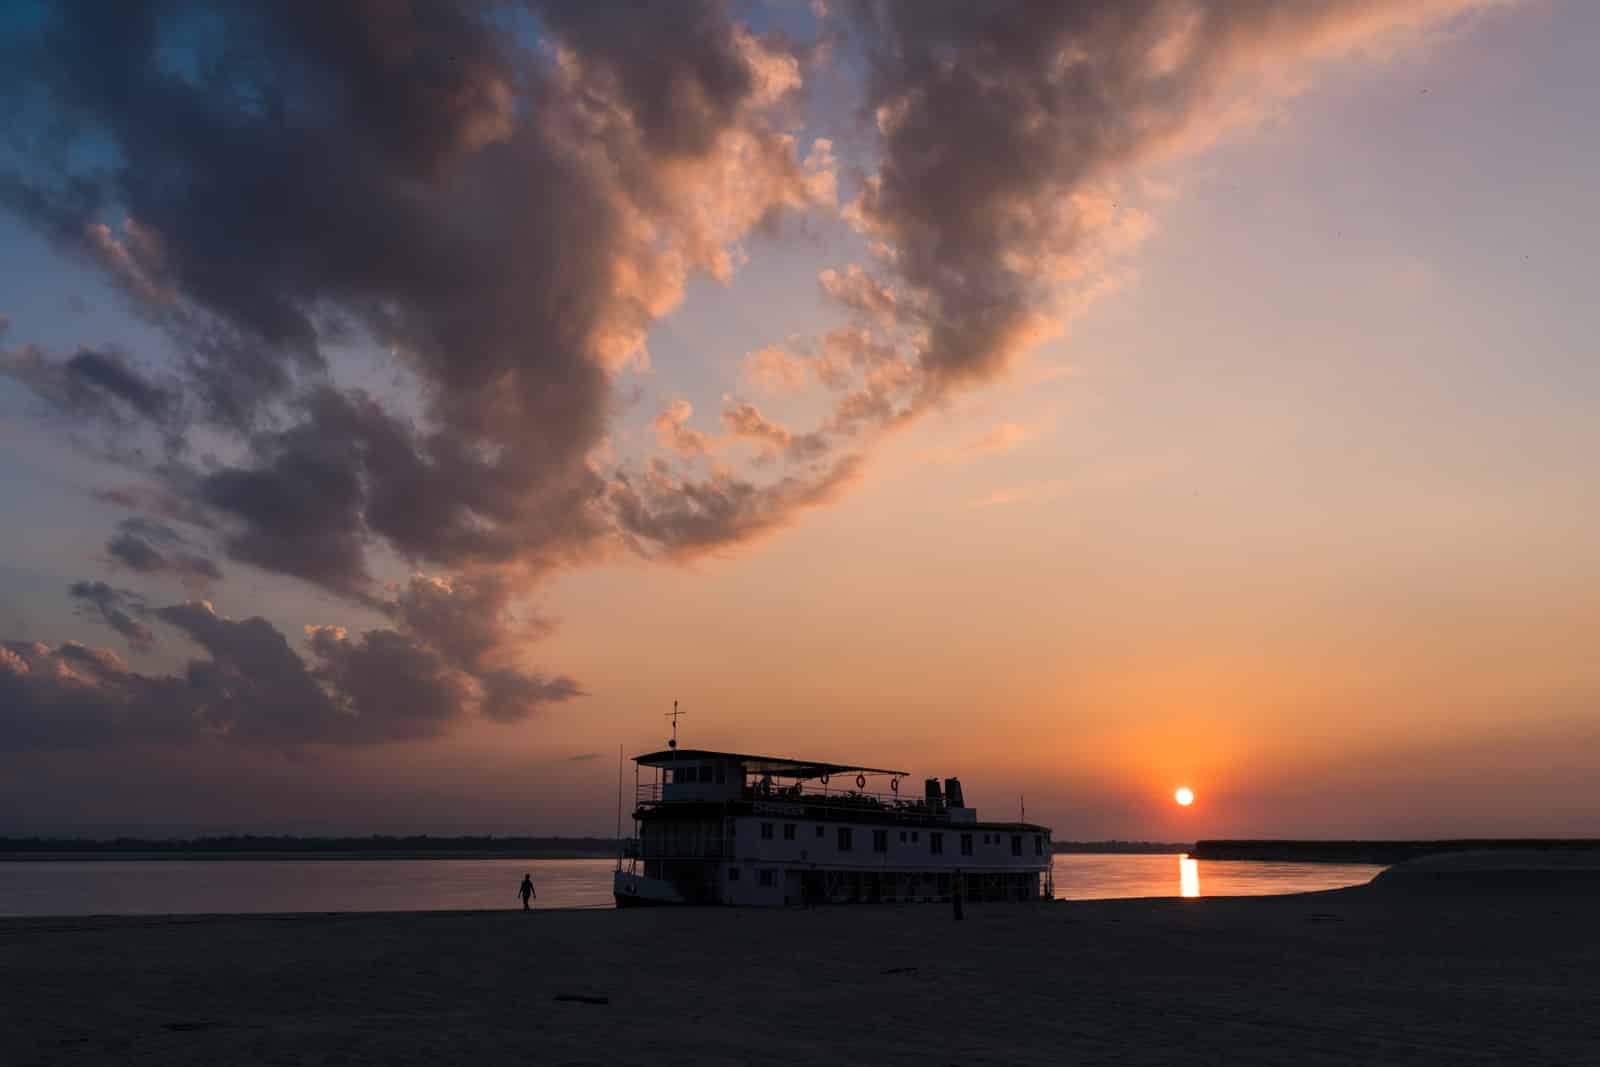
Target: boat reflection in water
[1188,876]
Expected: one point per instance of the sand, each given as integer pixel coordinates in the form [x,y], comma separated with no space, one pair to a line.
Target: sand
[1365,975]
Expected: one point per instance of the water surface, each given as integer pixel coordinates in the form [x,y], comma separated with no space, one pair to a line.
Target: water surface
[180,887]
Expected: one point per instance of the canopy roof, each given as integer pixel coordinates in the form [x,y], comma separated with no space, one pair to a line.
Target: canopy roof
[789,768]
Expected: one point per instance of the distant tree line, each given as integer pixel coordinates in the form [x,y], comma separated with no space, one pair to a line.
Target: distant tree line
[1377,852]
[247,844]
[237,843]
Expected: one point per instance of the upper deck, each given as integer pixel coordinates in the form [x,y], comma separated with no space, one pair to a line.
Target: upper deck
[816,790]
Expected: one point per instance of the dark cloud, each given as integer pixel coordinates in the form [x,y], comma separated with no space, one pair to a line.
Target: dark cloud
[391,677]
[508,225]
[134,553]
[88,383]
[677,69]
[512,695]
[506,221]
[251,688]
[111,377]
[135,546]
[152,500]
[115,608]
[75,697]
[688,516]
[467,619]
[1002,124]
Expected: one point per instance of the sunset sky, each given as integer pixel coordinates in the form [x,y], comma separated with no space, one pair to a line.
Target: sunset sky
[400,409]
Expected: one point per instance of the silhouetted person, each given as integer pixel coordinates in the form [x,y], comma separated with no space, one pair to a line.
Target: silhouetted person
[526,890]
[955,895]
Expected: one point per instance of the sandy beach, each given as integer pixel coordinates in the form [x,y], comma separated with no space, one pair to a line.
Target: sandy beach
[1413,971]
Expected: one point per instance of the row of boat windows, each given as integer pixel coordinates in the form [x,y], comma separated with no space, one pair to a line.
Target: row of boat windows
[703,773]
[880,839]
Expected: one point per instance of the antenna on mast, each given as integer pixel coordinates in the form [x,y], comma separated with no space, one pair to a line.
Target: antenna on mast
[673,715]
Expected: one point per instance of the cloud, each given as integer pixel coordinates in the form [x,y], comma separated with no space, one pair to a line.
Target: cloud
[251,688]
[1004,128]
[134,547]
[116,608]
[674,433]
[88,383]
[773,370]
[1004,437]
[153,500]
[389,675]
[860,291]
[468,621]
[507,223]
[677,518]
[548,204]
[744,420]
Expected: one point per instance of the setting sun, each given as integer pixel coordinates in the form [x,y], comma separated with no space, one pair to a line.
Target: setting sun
[1184,796]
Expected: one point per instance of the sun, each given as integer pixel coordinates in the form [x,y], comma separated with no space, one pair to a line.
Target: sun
[1184,796]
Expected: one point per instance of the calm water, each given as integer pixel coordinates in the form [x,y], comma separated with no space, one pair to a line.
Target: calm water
[175,887]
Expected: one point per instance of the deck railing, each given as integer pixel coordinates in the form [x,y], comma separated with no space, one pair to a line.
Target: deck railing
[777,799]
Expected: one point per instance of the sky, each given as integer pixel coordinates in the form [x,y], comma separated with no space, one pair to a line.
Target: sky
[400,408]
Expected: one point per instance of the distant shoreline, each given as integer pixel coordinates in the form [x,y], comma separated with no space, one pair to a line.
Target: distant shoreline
[245,847]
[307,855]
[1378,852]
[248,847]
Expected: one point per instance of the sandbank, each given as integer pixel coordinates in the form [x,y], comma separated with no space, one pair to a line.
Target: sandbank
[1364,975]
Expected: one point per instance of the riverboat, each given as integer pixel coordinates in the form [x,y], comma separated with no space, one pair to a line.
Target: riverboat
[763,831]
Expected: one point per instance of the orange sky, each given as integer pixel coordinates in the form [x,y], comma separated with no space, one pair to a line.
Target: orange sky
[1285,493]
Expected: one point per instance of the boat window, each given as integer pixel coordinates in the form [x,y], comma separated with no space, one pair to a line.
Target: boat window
[706,773]
[819,831]
[766,831]
[767,878]
[845,836]
[914,834]
[1016,844]
[936,844]
[880,841]
[966,844]
[722,774]
[733,874]
[902,837]
[788,831]
[1038,844]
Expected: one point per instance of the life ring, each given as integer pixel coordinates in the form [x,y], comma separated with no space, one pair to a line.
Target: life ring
[861,781]
[894,784]
[824,779]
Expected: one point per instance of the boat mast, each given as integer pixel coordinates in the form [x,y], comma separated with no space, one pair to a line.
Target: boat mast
[673,715]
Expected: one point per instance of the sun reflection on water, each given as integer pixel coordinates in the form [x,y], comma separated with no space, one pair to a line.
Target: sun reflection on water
[1188,876]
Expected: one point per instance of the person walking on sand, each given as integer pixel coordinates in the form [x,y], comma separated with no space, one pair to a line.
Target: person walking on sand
[525,891]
